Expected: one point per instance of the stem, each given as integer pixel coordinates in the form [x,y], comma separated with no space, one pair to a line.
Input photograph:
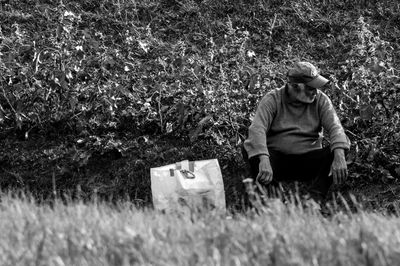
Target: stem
[159,109]
[8,101]
[353,134]
[53,179]
[271,29]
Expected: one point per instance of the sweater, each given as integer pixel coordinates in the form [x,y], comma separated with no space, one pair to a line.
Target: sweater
[292,128]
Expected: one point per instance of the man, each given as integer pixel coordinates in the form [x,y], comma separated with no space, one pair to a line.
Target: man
[285,138]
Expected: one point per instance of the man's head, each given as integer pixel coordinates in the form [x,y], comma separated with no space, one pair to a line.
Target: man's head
[304,81]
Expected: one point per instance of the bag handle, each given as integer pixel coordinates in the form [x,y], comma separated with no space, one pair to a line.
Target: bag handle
[186,173]
[191,166]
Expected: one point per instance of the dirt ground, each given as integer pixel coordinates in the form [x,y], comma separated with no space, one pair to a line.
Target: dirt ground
[31,166]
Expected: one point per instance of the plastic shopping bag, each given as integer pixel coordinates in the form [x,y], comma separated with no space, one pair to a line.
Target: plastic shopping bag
[188,183]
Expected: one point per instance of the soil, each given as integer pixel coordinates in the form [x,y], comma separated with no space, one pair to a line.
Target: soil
[113,175]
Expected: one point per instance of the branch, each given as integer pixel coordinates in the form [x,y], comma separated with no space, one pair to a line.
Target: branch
[159,108]
[271,29]
[5,96]
[342,90]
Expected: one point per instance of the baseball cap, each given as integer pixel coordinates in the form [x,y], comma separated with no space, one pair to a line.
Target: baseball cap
[307,73]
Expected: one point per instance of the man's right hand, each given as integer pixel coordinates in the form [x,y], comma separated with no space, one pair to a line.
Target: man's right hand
[265,170]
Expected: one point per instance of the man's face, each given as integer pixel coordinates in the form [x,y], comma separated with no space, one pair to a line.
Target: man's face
[303,93]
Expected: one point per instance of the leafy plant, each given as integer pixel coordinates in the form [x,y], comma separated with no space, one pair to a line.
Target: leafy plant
[123,81]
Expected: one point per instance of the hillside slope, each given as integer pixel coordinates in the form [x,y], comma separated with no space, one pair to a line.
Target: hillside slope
[94,93]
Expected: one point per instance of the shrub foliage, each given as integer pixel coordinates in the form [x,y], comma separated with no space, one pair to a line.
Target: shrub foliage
[93,93]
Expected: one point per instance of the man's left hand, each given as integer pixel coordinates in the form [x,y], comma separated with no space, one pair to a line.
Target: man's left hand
[339,167]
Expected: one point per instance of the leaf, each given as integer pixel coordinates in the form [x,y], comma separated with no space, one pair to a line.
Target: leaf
[1,117]
[180,107]
[18,120]
[372,152]
[144,46]
[366,112]
[168,127]
[377,67]
[94,44]
[205,120]
[256,37]
[63,82]
[193,135]
[86,33]
[36,61]
[164,108]
[59,31]
[73,102]
[217,138]
[397,170]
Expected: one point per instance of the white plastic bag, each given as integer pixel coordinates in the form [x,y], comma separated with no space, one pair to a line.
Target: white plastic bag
[188,183]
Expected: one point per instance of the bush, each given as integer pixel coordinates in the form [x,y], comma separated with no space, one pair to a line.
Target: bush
[105,80]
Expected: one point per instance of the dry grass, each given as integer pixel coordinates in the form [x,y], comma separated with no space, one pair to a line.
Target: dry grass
[99,234]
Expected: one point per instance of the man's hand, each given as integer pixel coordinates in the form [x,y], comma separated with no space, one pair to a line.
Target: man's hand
[265,170]
[339,167]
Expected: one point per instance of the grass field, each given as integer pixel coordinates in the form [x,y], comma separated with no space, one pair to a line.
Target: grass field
[100,234]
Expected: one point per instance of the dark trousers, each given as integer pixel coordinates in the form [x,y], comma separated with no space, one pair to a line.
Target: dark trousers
[312,167]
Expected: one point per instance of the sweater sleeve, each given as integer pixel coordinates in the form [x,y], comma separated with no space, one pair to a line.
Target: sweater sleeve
[256,143]
[331,123]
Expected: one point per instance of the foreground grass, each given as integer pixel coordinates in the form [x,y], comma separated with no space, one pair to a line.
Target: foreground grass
[99,234]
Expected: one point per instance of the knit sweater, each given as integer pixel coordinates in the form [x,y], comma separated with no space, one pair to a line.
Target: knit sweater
[293,128]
